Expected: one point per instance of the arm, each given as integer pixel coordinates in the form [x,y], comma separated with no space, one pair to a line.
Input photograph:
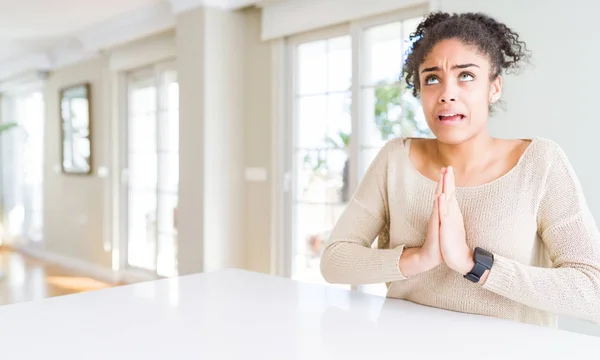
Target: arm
[567,228]
[349,258]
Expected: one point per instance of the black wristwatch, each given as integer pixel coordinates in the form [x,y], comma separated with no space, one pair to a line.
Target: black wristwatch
[483,261]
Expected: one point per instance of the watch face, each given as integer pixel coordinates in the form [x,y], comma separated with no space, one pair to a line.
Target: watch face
[484,257]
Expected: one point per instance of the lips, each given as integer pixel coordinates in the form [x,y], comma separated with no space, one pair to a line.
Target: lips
[450,117]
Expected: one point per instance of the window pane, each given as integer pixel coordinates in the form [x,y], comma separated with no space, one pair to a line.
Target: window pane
[312,121]
[142,132]
[383,58]
[169,172]
[339,64]
[166,213]
[167,255]
[312,68]
[322,176]
[142,171]
[23,166]
[339,120]
[324,120]
[390,112]
[142,97]
[169,92]
[314,224]
[169,131]
[142,229]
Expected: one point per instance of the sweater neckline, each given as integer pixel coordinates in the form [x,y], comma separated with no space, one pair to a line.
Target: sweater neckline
[506,176]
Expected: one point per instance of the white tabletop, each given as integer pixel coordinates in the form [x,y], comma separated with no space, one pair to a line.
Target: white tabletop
[236,314]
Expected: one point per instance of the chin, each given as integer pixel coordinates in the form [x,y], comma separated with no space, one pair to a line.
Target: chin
[451,137]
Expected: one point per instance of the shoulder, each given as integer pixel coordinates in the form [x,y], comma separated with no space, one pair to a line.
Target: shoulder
[390,155]
[391,149]
[551,164]
[543,153]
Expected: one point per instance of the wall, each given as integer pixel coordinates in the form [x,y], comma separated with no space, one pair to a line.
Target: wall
[74,218]
[225,238]
[214,232]
[190,64]
[211,64]
[555,98]
[257,143]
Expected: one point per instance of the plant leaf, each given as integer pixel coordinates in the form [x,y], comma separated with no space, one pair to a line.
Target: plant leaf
[5,127]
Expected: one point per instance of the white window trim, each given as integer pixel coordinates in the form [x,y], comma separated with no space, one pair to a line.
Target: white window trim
[287,18]
[283,58]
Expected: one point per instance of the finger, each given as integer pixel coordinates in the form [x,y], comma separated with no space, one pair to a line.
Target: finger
[436,211]
[440,184]
[449,185]
[443,206]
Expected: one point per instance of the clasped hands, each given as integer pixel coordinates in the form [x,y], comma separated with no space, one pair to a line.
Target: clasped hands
[446,238]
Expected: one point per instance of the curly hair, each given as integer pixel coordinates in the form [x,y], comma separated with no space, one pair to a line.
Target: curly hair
[500,43]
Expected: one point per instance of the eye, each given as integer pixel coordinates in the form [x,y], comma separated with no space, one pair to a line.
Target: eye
[466,77]
[432,79]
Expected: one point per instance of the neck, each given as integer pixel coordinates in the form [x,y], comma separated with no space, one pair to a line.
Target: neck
[466,156]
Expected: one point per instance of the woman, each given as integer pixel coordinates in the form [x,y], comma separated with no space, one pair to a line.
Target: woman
[465,221]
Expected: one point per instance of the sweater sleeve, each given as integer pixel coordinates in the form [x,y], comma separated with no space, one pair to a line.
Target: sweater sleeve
[567,228]
[349,258]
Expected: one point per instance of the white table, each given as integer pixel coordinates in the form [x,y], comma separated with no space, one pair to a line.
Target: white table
[236,314]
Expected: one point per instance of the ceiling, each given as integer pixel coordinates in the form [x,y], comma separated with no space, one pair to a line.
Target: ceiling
[39,31]
[29,25]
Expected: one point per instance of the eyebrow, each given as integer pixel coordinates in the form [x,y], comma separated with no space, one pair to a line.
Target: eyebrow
[437,68]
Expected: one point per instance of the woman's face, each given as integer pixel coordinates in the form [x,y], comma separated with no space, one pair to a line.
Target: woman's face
[456,91]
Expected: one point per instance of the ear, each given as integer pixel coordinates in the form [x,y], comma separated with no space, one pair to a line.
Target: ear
[495,89]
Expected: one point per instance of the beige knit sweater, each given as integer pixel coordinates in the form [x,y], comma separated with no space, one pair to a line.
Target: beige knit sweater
[534,219]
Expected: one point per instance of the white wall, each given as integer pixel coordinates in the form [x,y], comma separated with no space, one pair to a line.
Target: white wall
[257,144]
[190,67]
[211,65]
[555,99]
[225,239]
[74,216]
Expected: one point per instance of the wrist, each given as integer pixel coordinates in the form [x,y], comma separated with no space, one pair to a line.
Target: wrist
[427,261]
[465,263]
[477,265]
[414,261]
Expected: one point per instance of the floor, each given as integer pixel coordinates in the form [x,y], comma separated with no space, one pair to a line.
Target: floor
[25,279]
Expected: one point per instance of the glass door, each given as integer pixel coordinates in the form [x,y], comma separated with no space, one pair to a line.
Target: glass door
[347,99]
[151,170]
[320,154]
[22,170]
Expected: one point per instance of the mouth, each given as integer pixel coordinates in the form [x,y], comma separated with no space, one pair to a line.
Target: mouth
[451,117]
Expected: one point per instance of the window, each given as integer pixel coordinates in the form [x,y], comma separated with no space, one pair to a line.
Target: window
[23,167]
[347,101]
[152,168]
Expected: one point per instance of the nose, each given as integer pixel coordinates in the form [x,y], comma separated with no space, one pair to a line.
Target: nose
[449,93]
